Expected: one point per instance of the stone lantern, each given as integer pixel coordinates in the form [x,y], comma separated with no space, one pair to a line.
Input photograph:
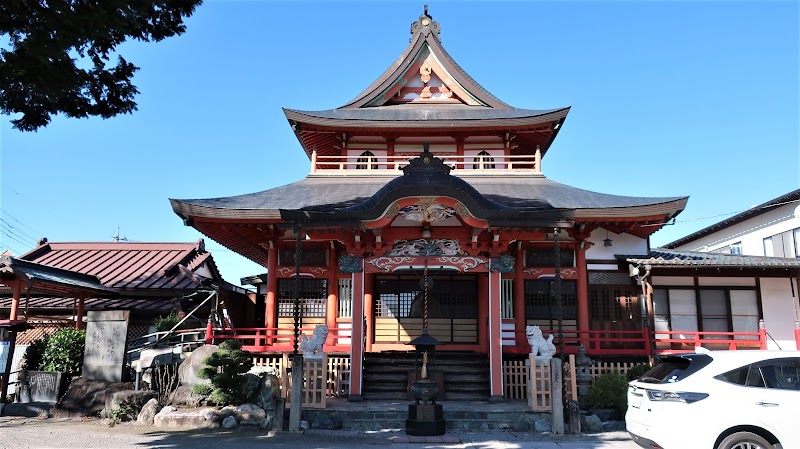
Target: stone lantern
[583,374]
[425,416]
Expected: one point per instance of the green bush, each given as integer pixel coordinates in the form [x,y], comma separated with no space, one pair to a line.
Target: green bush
[637,371]
[609,390]
[124,412]
[226,368]
[64,352]
[35,354]
[165,323]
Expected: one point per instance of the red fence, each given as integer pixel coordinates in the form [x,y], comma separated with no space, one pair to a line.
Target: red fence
[597,342]
[646,342]
[279,339]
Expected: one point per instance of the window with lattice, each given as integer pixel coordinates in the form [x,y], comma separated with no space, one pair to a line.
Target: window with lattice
[313,295]
[540,304]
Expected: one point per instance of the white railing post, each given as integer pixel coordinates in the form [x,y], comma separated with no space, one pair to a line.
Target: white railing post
[314,160]
[537,158]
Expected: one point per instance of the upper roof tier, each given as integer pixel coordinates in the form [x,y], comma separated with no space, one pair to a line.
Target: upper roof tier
[426,93]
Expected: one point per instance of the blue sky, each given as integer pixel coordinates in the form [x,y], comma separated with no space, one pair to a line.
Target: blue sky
[668,99]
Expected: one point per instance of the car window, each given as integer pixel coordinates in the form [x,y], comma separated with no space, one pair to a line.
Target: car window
[783,374]
[675,368]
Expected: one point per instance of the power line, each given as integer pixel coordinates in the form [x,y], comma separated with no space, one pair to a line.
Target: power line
[11,232]
[8,225]
[23,224]
[13,249]
[12,237]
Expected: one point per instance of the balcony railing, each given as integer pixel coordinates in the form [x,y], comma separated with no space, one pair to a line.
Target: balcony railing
[597,342]
[638,342]
[460,164]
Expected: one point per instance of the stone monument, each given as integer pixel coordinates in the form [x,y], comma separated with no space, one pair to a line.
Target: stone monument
[106,345]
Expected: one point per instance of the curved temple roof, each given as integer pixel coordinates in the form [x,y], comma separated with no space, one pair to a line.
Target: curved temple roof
[328,193]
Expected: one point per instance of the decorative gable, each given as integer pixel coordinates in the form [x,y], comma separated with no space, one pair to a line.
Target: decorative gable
[426,81]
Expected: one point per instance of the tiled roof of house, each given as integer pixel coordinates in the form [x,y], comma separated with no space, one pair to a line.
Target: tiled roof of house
[673,258]
[738,218]
[128,265]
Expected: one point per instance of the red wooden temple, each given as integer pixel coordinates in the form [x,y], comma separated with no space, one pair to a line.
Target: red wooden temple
[427,169]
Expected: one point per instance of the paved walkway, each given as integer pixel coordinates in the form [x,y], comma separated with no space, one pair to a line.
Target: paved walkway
[34,433]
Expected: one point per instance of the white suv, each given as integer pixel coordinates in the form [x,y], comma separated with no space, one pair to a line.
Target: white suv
[718,400]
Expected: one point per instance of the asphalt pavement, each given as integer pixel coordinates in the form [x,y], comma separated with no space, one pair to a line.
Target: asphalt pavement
[42,433]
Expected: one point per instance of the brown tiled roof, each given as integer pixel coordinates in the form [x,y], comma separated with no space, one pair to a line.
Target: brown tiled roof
[128,265]
[65,304]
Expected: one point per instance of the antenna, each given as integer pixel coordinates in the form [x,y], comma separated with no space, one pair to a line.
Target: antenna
[117,238]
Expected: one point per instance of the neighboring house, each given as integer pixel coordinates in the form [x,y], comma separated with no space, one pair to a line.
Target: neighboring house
[724,276]
[771,229]
[148,279]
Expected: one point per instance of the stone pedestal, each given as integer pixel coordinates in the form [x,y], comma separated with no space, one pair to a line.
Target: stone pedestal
[425,420]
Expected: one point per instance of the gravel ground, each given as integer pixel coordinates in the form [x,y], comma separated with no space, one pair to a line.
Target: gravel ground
[28,433]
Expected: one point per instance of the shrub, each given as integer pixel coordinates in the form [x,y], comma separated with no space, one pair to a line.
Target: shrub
[124,412]
[35,354]
[226,368]
[637,371]
[165,323]
[64,351]
[609,390]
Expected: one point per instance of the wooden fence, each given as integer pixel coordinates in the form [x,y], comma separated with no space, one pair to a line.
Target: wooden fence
[528,380]
[336,374]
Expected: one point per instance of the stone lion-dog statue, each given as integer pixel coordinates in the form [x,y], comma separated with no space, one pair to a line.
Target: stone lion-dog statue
[542,348]
[311,347]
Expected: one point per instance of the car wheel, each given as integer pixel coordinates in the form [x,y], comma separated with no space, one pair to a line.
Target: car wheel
[744,440]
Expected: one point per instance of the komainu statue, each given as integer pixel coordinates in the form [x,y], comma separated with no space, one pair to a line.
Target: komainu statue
[541,348]
[312,347]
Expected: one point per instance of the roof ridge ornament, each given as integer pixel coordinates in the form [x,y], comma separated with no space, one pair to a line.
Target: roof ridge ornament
[426,163]
[425,25]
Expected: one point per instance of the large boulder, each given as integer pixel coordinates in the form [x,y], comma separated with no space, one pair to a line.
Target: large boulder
[87,397]
[245,414]
[148,413]
[172,418]
[592,424]
[193,363]
[136,400]
[183,395]
[268,390]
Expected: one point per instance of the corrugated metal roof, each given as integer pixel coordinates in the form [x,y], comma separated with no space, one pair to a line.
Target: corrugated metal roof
[49,277]
[66,304]
[128,265]
[673,258]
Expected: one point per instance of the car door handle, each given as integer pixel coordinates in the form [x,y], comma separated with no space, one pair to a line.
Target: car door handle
[767,404]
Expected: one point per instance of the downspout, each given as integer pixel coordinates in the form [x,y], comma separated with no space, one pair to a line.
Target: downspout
[796,316]
[642,278]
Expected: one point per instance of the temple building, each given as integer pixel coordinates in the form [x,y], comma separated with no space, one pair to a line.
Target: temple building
[427,175]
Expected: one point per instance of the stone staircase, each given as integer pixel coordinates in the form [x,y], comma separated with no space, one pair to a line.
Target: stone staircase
[464,375]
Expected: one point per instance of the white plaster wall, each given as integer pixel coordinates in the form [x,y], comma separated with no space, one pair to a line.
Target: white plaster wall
[621,244]
[750,232]
[779,306]
[727,282]
[668,281]
[204,271]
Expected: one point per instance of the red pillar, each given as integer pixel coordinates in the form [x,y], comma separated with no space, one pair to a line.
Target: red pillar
[332,309]
[519,301]
[16,288]
[357,340]
[369,310]
[582,294]
[495,337]
[79,313]
[483,312]
[271,299]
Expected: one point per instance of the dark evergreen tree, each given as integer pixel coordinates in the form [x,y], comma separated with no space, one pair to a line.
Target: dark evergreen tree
[55,55]
[226,369]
